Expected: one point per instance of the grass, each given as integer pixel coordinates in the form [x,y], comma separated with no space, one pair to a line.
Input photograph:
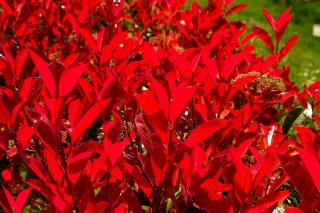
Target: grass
[304,58]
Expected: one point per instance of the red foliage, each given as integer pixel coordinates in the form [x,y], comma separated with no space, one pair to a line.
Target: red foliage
[116,106]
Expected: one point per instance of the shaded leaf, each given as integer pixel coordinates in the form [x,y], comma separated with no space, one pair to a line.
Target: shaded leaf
[204,131]
[45,73]
[70,78]
[89,118]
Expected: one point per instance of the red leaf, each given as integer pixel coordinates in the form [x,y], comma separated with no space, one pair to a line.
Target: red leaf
[20,61]
[247,38]
[123,207]
[293,210]
[5,117]
[47,189]
[8,56]
[6,175]
[106,54]
[89,39]
[270,19]
[148,104]
[302,180]
[271,60]
[269,202]
[6,7]
[154,145]
[70,78]
[195,61]
[266,169]
[6,71]
[264,37]
[21,200]
[241,82]
[4,203]
[161,94]
[213,186]
[44,129]
[279,25]
[71,59]
[3,140]
[114,152]
[54,167]
[132,203]
[101,37]
[236,9]
[15,113]
[88,89]
[213,69]
[227,2]
[28,87]
[312,166]
[72,21]
[24,135]
[146,132]
[45,73]
[307,139]
[56,109]
[111,88]
[151,54]
[287,47]
[88,119]
[75,111]
[181,97]
[77,164]
[9,197]
[242,182]
[204,131]
[38,169]
[140,179]
[282,23]
[227,66]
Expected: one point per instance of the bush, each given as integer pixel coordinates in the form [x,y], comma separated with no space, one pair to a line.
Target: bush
[117,106]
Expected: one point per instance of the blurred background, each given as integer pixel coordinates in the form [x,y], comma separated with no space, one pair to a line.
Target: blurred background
[304,58]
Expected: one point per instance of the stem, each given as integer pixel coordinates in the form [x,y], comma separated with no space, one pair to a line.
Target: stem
[155,202]
[64,171]
[277,47]
[187,207]
[157,195]
[193,115]
[188,204]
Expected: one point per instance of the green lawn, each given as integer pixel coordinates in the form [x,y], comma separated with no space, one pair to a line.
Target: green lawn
[305,56]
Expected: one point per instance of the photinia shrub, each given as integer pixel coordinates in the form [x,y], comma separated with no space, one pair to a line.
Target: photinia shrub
[146,106]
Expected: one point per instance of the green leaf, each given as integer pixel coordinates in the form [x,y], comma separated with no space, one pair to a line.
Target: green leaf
[97,190]
[169,205]
[295,117]
[145,208]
